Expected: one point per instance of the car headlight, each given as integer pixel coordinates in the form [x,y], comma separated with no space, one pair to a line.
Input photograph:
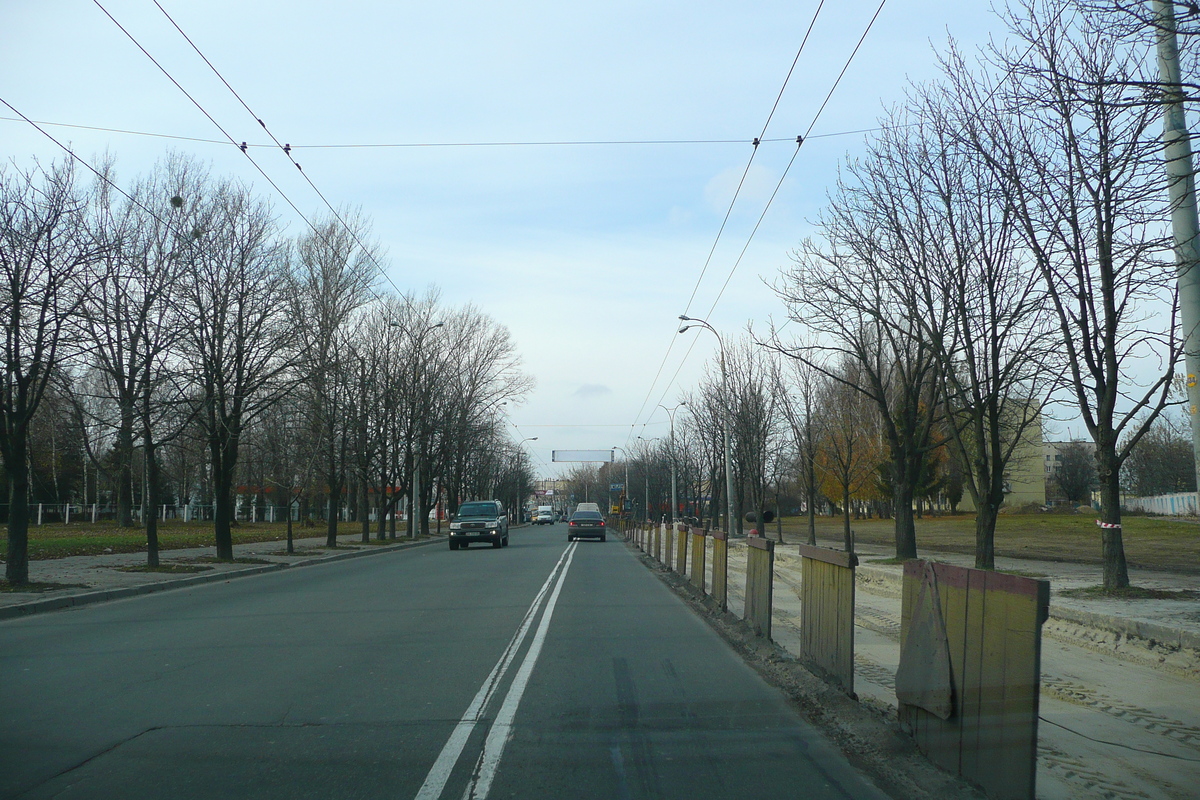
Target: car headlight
[491,526]
[454,526]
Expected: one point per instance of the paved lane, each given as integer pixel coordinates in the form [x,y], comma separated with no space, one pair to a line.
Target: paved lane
[349,680]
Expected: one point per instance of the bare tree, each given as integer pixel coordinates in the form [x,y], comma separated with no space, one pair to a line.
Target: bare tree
[799,384]
[1076,150]
[331,282]
[847,454]
[48,260]
[858,295]
[136,325]
[241,339]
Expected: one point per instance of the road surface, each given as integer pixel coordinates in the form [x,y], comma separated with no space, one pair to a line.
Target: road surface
[544,669]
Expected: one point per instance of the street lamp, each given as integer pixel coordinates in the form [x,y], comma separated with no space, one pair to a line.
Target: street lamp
[730,506]
[625,453]
[674,501]
[416,476]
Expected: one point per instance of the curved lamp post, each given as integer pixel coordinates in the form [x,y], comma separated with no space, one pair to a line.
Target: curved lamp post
[730,505]
[674,500]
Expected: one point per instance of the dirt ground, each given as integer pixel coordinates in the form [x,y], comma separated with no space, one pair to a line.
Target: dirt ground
[1118,718]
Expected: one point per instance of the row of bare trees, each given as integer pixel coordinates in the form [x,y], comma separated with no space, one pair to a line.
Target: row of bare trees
[173,324]
[998,255]
[1003,243]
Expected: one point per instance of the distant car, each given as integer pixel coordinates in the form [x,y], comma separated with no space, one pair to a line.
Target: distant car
[479,521]
[586,524]
[545,516]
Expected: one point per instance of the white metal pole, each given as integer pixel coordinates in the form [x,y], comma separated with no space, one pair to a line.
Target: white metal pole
[1181,187]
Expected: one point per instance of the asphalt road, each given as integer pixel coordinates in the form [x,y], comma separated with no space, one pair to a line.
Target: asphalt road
[542,670]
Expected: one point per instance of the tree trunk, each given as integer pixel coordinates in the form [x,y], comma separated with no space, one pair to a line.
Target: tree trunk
[906,532]
[150,455]
[985,534]
[222,501]
[16,570]
[847,535]
[291,548]
[1116,574]
[124,452]
[331,516]
[364,510]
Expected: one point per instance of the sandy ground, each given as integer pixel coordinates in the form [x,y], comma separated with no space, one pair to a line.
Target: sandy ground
[1120,715]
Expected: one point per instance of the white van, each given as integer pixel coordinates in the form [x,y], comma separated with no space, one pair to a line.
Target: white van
[544,515]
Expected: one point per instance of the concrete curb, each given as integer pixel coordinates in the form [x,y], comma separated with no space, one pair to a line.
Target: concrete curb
[105,595]
[1136,628]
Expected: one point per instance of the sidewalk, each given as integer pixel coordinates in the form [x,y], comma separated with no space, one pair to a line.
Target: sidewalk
[99,578]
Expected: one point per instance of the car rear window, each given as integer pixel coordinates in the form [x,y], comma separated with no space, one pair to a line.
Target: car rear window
[588,515]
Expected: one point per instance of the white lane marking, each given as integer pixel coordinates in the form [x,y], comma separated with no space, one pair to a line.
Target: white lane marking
[501,730]
[439,773]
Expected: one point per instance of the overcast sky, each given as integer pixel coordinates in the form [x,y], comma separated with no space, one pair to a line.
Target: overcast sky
[588,253]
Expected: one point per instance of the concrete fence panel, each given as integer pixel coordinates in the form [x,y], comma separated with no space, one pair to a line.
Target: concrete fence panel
[699,550]
[659,532]
[827,614]
[720,569]
[681,547]
[669,546]
[760,572]
[970,662]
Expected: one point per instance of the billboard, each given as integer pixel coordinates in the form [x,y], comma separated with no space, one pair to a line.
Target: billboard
[583,455]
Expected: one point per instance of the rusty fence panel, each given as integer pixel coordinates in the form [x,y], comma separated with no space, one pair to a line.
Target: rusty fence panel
[720,569]
[969,676]
[760,571]
[659,532]
[827,614]
[699,547]
[681,547]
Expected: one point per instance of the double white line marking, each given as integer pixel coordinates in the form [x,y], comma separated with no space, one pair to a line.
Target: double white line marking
[497,737]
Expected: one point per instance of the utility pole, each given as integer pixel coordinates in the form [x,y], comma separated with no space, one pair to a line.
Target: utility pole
[1181,187]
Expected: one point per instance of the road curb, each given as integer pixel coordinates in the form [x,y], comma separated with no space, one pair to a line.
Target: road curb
[119,593]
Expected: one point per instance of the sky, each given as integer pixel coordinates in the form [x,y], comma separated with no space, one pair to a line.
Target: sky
[588,253]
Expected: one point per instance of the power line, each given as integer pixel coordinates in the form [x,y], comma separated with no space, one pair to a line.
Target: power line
[708,260]
[799,141]
[400,145]
[285,148]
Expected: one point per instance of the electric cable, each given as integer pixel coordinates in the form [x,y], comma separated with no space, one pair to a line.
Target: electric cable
[285,148]
[1119,744]
[799,142]
[368,145]
[720,231]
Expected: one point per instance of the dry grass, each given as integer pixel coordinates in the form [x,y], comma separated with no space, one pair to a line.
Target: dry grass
[85,538]
[1150,542]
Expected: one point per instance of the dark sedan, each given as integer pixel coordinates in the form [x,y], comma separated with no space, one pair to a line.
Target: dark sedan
[586,524]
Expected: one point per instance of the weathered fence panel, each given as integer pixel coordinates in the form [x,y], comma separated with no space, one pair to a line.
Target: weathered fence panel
[970,663]
[827,614]
[760,571]
[699,548]
[681,537]
[720,569]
